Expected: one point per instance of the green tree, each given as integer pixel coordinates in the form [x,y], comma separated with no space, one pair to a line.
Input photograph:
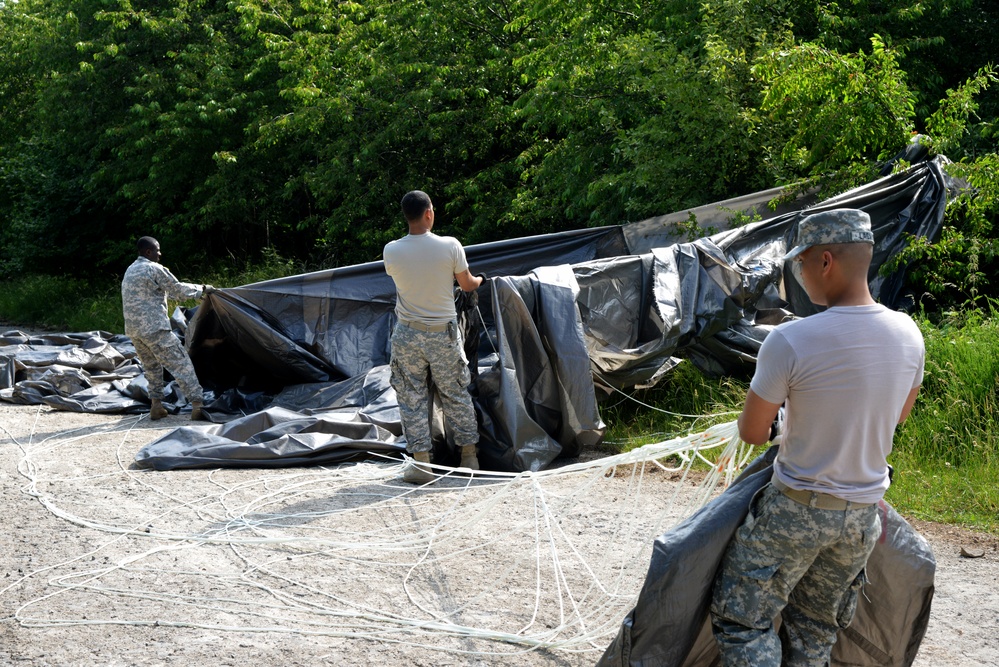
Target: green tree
[41,191]
[956,269]
[175,123]
[843,112]
[292,127]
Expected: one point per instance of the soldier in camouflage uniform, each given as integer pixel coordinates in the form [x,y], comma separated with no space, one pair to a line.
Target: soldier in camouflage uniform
[144,292]
[426,343]
[847,376]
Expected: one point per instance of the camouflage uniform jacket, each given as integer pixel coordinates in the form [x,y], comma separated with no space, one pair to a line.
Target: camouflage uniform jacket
[144,292]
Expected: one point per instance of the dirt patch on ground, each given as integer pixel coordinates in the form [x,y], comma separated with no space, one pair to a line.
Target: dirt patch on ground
[105,564]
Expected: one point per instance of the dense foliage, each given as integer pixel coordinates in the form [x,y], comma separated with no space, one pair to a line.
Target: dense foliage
[294,126]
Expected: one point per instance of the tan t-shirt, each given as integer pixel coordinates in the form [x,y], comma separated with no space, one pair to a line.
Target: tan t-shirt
[423,269]
[845,374]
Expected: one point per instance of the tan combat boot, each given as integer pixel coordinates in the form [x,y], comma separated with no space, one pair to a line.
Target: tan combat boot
[417,474]
[469,459]
[197,411]
[156,409]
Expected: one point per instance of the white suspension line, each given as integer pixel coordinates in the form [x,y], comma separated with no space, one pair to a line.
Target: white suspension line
[279,528]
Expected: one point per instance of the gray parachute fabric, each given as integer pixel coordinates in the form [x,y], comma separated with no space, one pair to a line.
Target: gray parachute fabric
[670,627]
[273,437]
[563,314]
[564,317]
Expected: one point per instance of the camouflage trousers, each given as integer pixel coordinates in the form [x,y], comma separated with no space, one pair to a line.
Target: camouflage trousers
[420,358]
[164,350]
[804,564]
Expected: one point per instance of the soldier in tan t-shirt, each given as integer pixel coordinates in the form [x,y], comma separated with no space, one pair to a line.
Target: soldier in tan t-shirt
[426,339]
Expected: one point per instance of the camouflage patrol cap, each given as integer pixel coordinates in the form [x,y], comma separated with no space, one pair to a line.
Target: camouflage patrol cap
[840,225]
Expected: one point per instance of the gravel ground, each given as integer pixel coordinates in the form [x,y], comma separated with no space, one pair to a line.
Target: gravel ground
[105,564]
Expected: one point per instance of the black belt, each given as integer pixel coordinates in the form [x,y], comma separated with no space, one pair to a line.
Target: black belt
[816,499]
[429,328]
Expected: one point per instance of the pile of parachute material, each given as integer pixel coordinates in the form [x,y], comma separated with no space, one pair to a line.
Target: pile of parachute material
[562,319]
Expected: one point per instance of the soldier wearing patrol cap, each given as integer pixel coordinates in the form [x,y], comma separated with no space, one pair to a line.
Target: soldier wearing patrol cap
[846,376]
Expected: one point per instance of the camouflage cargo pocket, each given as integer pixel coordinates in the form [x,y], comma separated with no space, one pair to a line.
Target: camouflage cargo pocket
[848,605]
[750,589]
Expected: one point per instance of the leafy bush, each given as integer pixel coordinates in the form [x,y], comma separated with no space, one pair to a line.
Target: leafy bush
[223,128]
[955,270]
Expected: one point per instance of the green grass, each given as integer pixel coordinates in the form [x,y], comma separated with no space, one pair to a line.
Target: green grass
[58,303]
[946,454]
[685,402]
